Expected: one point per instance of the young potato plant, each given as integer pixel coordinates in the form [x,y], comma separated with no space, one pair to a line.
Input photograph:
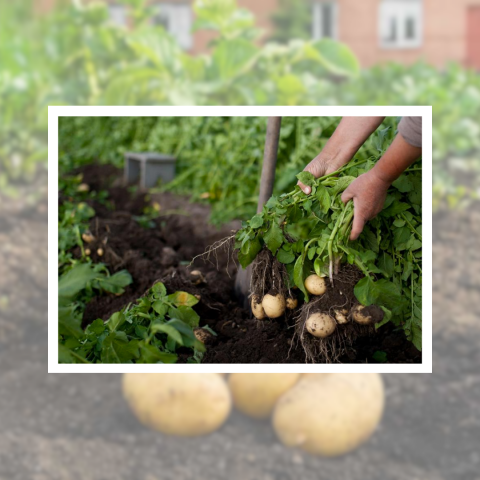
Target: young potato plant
[307,240]
[149,331]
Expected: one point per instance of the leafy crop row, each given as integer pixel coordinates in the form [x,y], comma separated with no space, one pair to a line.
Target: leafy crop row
[76,56]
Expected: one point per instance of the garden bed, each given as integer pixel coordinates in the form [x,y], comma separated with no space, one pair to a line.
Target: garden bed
[164,252]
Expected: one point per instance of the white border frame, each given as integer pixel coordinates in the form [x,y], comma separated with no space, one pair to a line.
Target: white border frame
[57,111]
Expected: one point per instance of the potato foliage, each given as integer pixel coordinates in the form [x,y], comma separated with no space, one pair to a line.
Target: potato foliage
[310,234]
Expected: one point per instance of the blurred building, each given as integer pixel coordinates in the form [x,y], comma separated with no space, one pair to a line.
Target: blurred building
[405,31]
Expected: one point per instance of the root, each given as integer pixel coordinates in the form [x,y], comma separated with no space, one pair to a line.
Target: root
[334,347]
[268,276]
[228,244]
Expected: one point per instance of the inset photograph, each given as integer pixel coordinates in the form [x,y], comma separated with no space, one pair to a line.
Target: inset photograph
[265,240]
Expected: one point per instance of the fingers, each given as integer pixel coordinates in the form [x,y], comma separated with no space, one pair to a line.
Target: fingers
[358,220]
[317,168]
[357,226]
[348,194]
[306,189]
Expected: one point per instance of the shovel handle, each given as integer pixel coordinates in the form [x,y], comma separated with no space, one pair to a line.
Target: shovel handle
[269,161]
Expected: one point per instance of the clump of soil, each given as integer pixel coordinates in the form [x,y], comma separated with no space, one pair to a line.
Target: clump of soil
[164,253]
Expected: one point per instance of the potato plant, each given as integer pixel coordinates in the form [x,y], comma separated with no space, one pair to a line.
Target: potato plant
[303,242]
[149,331]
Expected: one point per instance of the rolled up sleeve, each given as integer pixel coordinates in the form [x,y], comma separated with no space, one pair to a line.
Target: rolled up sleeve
[410,128]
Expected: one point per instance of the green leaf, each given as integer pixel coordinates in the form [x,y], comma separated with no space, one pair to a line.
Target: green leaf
[186,314]
[274,237]
[97,327]
[182,298]
[341,184]
[69,322]
[380,357]
[230,58]
[323,198]
[285,257]
[320,267]
[385,263]
[249,252]
[401,235]
[337,57]
[159,289]
[117,349]
[364,291]
[151,354]
[116,283]
[306,178]
[256,221]
[172,332]
[395,209]
[403,184]
[116,320]
[75,280]
[160,307]
[298,276]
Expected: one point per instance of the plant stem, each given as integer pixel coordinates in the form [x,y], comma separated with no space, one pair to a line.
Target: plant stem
[412,228]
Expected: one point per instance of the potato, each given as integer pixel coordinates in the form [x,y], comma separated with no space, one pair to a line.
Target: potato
[341,316]
[184,404]
[320,325]
[315,376]
[257,309]
[255,394]
[274,306]
[315,285]
[291,303]
[367,315]
[201,334]
[329,414]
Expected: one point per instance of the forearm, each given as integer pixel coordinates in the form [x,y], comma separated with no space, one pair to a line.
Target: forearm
[399,156]
[348,137]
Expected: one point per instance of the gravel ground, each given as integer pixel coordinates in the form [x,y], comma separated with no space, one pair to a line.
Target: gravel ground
[77,426]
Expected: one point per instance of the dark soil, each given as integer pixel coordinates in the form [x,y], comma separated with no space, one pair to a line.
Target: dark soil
[164,253]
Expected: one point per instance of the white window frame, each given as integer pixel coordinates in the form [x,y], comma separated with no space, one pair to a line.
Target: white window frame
[399,12]
[180,21]
[317,19]
[118,14]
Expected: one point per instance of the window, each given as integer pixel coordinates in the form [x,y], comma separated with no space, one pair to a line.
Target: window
[324,23]
[400,23]
[118,14]
[176,18]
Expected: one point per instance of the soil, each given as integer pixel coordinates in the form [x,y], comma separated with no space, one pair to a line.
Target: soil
[164,253]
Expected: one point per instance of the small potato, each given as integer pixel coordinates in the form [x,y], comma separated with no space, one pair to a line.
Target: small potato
[367,315]
[320,325]
[201,334]
[274,306]
[197,277]
[184,404]
[100,252]
[341,316]
[329,414]
[257,309]
[87,237]
[255,394]
[83,187]
[291,303]
[315,285]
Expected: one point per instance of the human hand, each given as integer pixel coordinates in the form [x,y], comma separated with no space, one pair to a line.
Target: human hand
[368,192]
[318,167]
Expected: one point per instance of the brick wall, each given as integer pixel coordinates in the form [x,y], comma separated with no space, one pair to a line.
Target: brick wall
[444,32]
